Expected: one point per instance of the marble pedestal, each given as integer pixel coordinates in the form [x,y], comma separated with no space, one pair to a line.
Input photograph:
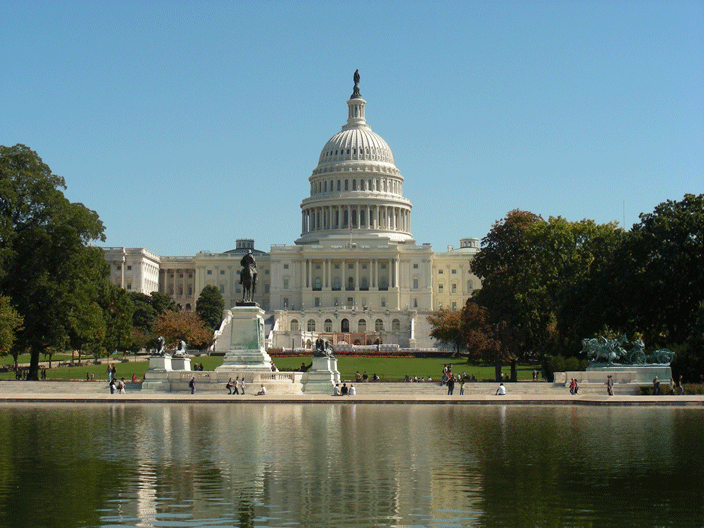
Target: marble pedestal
[241,338]
[156,378]
[181,363]
[322,376]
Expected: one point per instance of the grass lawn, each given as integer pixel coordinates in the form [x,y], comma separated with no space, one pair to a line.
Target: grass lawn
[388,369]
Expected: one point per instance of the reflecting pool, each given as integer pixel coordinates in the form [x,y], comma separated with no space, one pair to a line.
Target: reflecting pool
[332,465]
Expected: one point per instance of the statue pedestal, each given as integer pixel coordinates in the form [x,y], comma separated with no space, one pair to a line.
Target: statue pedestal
[322,376]
[181,363]
[241,338]
[156,378]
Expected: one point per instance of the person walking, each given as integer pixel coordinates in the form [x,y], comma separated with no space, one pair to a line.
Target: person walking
[242,386]
[656,386]
[192,385]
[229,386]
[609,385]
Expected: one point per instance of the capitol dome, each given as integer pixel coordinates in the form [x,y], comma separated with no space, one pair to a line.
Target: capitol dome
[356,187]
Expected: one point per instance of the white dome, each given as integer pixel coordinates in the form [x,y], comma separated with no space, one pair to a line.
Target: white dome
[356,186]
[358,143]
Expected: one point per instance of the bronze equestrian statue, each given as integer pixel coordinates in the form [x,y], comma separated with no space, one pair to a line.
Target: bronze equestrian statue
[248,276]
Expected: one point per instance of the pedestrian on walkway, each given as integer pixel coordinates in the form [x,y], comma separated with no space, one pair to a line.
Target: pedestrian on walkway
[192,385]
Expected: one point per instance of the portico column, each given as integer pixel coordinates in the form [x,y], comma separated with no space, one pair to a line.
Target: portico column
[356,274]
[309,284]
[324,285]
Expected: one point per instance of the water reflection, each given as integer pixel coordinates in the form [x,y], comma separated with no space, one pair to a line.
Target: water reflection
[349,465]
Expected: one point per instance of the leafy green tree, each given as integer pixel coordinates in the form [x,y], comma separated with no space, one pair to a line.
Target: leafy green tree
[162,303]
[209,306]
[661,270]
[144,315]
[49,269]
[10,324]
[118,312]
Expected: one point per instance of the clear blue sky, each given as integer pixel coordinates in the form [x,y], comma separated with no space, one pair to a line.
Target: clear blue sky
[186,125]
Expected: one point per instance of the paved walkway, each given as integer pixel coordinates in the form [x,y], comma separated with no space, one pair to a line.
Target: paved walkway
[524,393]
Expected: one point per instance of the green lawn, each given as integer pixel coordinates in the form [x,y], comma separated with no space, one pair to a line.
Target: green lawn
[388,369]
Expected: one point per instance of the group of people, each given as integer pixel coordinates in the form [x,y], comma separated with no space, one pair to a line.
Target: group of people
[117,385]
[365,377]
[344,390]
[237,386]
[574,386]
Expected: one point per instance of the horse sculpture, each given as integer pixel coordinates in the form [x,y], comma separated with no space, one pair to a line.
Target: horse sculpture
[611,350]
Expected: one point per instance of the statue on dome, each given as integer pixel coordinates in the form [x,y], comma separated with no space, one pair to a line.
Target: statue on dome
[355,92]
[248,276]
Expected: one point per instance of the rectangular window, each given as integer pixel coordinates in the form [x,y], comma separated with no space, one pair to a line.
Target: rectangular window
[415,266]
[439,272]
[266,288]
[285,284]
[285,303]
[209,272]
[454,306]
[222,272]
[440,288]
[266,272]
[317,302]
[285,266]
[415,302]
[383,302]
[350,266]
[350,301]
[119,268]
[337,266]
[129,267]
[129,286]
[415,284]
[454,288]
[222,288]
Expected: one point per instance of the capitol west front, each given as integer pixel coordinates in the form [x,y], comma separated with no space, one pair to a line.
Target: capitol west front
[355,274]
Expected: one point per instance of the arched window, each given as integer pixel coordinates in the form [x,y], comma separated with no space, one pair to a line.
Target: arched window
[344,326]
[396,325]
[365,283]
[350,283]
[309,345]
[294,325]
[383,284]
[328,325]
[378,325]
[354,185]
[311,325]
[361,326]
[361,185]
[336,283]
[318,284]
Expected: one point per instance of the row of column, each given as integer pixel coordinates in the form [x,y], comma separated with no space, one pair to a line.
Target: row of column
[374,271]
[359,216]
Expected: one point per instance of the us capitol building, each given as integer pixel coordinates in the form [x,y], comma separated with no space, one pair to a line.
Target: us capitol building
[355,275]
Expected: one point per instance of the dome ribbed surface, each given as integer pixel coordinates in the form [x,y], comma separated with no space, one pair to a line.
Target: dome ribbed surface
[359,144]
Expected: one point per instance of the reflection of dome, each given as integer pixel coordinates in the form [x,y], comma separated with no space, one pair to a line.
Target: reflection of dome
[356,186]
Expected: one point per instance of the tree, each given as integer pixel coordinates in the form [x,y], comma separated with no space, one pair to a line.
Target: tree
[483,340]
[144,315]
[660,269]
[118,312]
[183,326]
[534,274]
[209,306]
[10,324]
[447,328]
[49,269]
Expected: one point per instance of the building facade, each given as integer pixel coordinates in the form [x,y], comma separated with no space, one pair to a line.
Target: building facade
[355,275]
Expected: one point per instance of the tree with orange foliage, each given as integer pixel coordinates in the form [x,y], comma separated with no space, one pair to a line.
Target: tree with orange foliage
[183,326]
